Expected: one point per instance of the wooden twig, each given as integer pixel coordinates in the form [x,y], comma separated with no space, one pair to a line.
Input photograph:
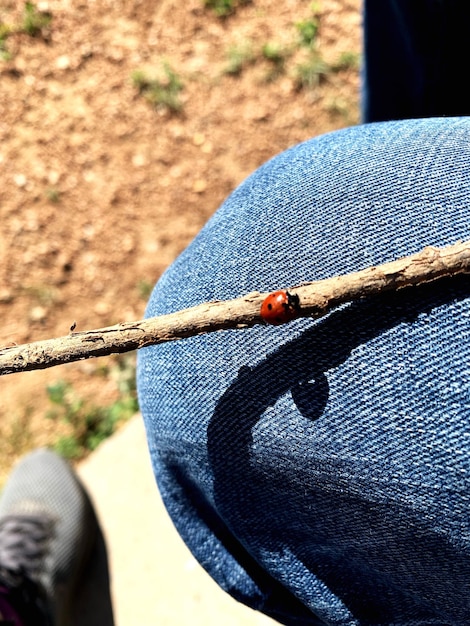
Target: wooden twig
[316,299]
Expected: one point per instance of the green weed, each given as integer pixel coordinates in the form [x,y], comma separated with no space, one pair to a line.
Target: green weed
[342,108]
[285,58]
[277,56]
[309,74]
[161,93]
[238,58]
[144,289]
[346,61]
[224,8]
[5,31]
[91,424]
[307,31]
[274,52]
[53,195]
[33,22]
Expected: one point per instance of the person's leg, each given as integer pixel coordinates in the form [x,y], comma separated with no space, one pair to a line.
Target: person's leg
[415,59]
[47,531]
[320,470]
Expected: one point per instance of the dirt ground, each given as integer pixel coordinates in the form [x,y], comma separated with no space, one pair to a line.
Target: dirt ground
[100,190]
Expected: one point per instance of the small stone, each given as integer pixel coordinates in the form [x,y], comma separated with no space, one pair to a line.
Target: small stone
[198,139]
[38,314]
[139,160]
[6,296]
[207,147]
[200,185]
[127,243]
[63,62]
[102,308]
[53,177]
[20,180]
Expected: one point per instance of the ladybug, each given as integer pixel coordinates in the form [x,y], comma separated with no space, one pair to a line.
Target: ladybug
[280,307]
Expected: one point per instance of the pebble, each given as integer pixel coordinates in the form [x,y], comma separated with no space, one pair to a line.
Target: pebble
[199,185]
[63,62]
[198,139]
[139,160]
[6,296]
[38,314]
[20,180]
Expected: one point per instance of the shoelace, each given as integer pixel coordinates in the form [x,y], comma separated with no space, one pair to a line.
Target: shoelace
[24,541]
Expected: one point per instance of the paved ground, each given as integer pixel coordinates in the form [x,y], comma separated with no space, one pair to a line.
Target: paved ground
[154,579]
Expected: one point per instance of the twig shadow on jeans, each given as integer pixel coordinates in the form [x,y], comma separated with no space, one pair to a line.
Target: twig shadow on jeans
[300,367]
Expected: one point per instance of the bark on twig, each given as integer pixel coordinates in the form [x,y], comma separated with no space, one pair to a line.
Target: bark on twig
[316,299]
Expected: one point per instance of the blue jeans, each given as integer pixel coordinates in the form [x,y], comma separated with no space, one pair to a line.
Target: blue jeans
[320,471]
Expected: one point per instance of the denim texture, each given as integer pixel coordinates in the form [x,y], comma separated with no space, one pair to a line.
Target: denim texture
[320,471]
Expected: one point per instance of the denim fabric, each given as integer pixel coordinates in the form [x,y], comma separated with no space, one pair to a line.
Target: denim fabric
[320,471]
[416,58]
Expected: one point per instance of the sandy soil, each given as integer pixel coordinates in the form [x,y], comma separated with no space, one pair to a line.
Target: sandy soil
[100,190]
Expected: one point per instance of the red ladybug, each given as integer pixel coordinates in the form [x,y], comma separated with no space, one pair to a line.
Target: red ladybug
[280,307]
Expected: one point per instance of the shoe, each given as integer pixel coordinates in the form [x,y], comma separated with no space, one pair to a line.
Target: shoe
[47,531]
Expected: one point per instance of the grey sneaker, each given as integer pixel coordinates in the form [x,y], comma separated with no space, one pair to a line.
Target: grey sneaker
[47,530]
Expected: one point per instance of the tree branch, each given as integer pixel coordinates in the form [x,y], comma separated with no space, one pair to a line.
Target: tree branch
[316,299]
